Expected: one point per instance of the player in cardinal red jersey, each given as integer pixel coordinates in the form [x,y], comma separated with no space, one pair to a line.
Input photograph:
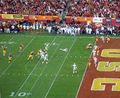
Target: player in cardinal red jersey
[89,62]
[98,51]
[97,38]
[89,46]
[31,55]
[4,50]
[108,38]
[9,57]
[38,53]
[21,47]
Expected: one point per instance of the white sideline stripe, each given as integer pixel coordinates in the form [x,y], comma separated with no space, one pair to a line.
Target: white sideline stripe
[83,76]
[30,74]
[43,69]
[15,58]
[58,36]
[60,69]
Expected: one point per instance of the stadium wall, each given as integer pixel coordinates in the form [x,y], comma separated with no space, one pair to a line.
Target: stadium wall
[93,20]
[68,19]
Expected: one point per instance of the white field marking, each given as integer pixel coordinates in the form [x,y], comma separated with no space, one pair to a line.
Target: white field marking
[44,69]
[30,74]
[10,39]
[58,36]
[66,36]
[63,36]
[60,68]
[83,76]
[15,59]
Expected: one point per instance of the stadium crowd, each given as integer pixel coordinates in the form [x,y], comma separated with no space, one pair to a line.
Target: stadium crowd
[94,8]
[83,8]
[36,7]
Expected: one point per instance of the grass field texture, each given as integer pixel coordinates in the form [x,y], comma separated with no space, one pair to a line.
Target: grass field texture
[32,79]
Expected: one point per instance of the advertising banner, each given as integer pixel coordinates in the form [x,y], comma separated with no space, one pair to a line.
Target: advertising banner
[118,20]
[38,17]
[7,16]
[108,20]
[84,19]
[97,20]
[17,16]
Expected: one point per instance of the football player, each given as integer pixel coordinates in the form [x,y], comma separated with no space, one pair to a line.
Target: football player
[74,68]
[89,46]
[9,57]
[4,50]
[21,47]
[38,53]
[89,62]
[46,58]
[31,55]
[97,38]
[95,60]
[98,51]
[108,38]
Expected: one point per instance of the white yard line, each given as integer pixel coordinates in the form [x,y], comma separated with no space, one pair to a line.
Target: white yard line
[30,74]
[15,59]
[83,76]
[11,39]
[60,69]
[44,69]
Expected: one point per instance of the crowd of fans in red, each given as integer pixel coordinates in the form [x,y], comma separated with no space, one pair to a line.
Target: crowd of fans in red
[36,7]
[83,8]
[93,8]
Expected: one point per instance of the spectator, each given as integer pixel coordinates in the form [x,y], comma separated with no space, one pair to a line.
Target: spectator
[94,8]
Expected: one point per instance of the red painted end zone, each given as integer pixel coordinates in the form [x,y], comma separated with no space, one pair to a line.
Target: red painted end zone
[92,73]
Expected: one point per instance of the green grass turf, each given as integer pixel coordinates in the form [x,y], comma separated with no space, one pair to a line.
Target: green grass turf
[32,79]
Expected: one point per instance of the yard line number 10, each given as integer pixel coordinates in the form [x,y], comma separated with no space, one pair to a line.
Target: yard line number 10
[21,94]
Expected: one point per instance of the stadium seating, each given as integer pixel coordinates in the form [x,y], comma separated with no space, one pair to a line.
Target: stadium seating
[83,8]
[92,8]
[36,7]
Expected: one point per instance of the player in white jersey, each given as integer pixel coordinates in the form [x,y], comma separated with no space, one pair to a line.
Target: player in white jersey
[27,27]
[95,60]
[95,47]
[97,31]
[24,27]
[33,26]
[78,30]
[103,39]
[74,68]
[42,55]
[46,58]
[49,29]
[46,48]
[94,52]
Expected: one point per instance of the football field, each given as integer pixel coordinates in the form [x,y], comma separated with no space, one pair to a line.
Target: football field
[24,78]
